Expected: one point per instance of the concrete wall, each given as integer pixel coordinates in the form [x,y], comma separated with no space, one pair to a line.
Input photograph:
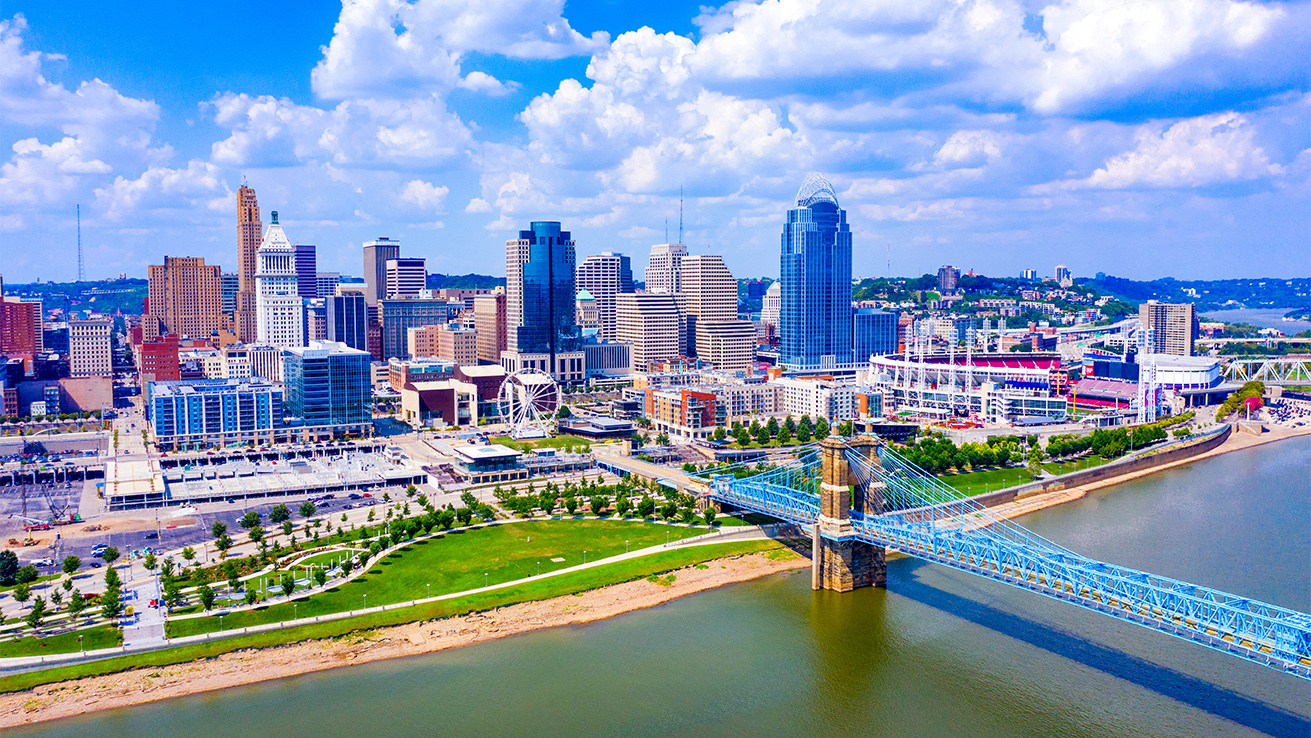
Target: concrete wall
[76,394]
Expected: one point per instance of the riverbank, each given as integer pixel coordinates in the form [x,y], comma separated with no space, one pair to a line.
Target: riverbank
[139,686]
[1235,442]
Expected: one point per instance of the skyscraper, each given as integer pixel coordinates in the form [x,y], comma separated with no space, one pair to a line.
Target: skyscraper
[650,322]
[541,327]
[710,306]
[280,313]
[604,276]
[815,270]
[489,320]
[405,277]
[1063,275]
[186,298]
[230,283]
[348,320]
[250,233]
[663,270]
[947,278]
[306,271]
[1173,327]
[376,254]
[89,353]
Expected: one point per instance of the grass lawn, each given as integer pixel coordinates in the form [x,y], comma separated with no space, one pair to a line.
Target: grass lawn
[327,557]
[453,563]
[104,636]
[744,519]
[556,442]
[615,573]
[1065,467]
[989,480]
[39,580]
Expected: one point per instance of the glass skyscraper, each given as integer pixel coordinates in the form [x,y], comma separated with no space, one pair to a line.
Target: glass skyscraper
[327,384]
[541,314]
[815,317]
[874,332]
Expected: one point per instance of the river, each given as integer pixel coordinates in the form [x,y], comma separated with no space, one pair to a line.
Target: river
[937,653]
[1261,318]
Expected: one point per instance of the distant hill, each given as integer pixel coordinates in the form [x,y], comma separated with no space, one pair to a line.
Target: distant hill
[1211,294]
[109,297]
[464,281]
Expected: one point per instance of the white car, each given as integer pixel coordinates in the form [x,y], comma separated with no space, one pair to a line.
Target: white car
[43,562]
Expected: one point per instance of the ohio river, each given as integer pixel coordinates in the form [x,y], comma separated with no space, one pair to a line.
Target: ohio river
[938,653]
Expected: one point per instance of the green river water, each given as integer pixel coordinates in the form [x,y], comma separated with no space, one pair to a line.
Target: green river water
[937,653]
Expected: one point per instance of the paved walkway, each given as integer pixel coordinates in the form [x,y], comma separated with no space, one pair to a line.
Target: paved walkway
[147,626]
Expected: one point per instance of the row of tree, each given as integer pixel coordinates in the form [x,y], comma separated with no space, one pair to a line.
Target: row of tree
[772,432]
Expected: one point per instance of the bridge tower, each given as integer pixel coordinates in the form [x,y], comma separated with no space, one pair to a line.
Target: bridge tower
[840,562]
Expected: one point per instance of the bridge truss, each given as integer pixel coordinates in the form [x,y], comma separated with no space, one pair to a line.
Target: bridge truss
[1281,370]
[919,516]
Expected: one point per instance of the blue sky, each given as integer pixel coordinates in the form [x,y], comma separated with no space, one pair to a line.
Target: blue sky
[1144,139]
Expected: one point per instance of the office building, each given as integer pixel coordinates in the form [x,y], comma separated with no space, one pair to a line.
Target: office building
[604,276]
[280,312]
[948,276]
[54,338]
[449,342]
[328,385]
[89,351]
[21,329]
[203,413]
[229,284]
[399,316]
[541,319]
[607,358]
[873,333]
[1063,275]
[1173,328]
[771,305]
[236,361]
[727,345]
[405,277]
[709,299]
[307,275]
[421,342]
[158,361]
[489,320]
[250,234]
[665,267]
[376,254]
[325,283]
[185,298]
[1029,274]
[651,324]
[818,398]
[815,323]
[265,361]
[588,314]
[316,320]
[347,320]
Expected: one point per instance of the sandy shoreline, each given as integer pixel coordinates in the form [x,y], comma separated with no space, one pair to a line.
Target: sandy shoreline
[139,686]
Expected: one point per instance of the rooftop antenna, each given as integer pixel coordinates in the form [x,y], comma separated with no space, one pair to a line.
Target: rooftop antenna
[81,268]
[680,213]
[666,229]
[889,258]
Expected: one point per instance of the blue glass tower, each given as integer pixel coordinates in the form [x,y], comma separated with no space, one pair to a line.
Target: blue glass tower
[815,267]
[539,269]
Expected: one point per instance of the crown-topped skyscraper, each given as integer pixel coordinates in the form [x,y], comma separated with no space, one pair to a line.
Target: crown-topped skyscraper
[815,269]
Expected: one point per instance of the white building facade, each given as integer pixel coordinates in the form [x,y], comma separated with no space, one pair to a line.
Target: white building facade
[279,310]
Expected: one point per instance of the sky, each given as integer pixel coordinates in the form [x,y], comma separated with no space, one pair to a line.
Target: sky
[1142,138]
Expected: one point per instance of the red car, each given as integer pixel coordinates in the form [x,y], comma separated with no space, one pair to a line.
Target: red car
[366,494]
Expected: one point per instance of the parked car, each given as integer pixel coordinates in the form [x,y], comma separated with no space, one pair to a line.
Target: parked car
[354,496]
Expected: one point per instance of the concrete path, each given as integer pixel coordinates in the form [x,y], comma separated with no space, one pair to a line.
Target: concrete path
[147,625]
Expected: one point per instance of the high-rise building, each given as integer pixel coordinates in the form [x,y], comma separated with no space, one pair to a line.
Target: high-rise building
[727,345]
[771,305]
[873,332]
[605,275]
[399,316]
[376,254]
[196,414]
[250,234]
[405,277]
[186,298]
[89,348]
[947,277]
[449,342]
[1173,327]
[347,320]
[1029,274]
[316,319]
[710,311]
[650,323]
[157,360]
[20,326]
[541,320]
[589,316]
[307,274]
[815,271]
[229,284]
[1063,275]
[489,320]
[664,268]
[325,283]
[327,384]
[280,312]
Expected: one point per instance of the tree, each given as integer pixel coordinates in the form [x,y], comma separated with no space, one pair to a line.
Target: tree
[22,593]
[57,598]
[111,603]
[306,509]
[803,432]
[218,528]
[288,583]
[784,436]
[223,543]
[256,534]
[250,596]
[790,425]
[346,567]
[772,426]
[646,507]
[279,513]
[563,412]
[1035,456]
[762,434]
[287,527]
[249,520]
[149,562]
[37,613]
[71,565]
[547,502]
[571,504]
[708,514]
[76,603]
[598,503]
[719,434]
[669,510]
[8,567]
[464,515]
[320,577]
[662,440]
[27,574]
[410,490]
[689,515]
[821,429]
[623,506]
[207,597]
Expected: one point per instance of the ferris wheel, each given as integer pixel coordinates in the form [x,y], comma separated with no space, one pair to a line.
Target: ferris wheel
[526,401]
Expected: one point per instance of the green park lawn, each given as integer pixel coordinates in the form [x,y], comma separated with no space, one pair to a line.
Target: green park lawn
[105,636]
[454,562]
[988,480]
[556,442]
[1065,467]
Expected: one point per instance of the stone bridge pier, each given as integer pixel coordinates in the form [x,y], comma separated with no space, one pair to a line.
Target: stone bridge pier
[839,561]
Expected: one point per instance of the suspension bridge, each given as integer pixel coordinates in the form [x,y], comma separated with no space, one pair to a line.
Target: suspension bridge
[860,498]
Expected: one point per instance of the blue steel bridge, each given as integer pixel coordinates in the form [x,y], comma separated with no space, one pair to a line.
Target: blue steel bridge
[860,498]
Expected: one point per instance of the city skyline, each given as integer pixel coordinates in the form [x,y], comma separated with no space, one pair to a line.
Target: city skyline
[1033,138]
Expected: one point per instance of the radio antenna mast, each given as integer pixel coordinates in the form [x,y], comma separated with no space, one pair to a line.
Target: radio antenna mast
[680,213]
[81,268]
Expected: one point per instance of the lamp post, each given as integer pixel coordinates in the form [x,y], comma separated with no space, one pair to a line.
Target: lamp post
[220,622]
[429,590]
[294,610]
[79,645]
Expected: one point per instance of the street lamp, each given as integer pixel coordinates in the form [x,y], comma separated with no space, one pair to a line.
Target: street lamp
[430,590]
[294,608]
[79,644]
[366,602]
[484,579]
